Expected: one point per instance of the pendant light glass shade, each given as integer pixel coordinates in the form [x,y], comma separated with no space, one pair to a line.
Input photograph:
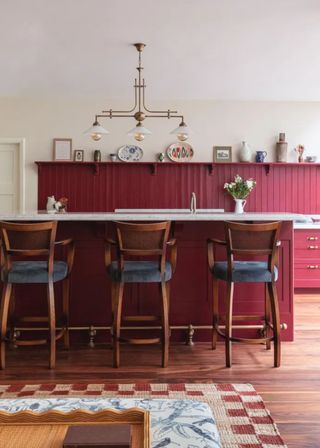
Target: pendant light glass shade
[96,131]
[139,132]
[182,131]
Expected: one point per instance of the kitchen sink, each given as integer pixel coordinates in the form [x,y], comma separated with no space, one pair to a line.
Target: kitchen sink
[169,210]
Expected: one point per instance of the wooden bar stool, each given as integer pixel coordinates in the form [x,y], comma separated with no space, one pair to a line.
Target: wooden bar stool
[247,240]
[140,240]
[20,244]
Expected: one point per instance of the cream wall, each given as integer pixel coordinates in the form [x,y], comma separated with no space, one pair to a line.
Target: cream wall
[213,122]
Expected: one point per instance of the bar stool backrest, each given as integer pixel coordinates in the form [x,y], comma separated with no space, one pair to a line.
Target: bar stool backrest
[142,240]
[252,239]
[28,240]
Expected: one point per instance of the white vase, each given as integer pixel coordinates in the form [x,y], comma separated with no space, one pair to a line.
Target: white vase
[240,203]
[245,154]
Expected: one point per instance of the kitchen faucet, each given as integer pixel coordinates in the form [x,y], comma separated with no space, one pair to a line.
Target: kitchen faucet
[193,203]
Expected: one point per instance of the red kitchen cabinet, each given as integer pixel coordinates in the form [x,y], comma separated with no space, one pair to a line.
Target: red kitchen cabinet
[307,258]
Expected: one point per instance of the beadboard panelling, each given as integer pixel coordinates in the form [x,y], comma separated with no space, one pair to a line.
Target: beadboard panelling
[106,186]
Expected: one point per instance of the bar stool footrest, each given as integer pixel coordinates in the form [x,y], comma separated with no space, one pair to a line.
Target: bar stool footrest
[140,341]
[245,340]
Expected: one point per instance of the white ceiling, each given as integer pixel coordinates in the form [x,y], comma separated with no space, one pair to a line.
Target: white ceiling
[196,49]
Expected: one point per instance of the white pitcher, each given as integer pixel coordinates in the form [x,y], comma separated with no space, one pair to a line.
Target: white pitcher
[240,203]
[51,204]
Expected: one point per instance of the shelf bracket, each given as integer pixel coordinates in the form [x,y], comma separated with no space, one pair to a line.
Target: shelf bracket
[154,169]
[96,168]
[267,169]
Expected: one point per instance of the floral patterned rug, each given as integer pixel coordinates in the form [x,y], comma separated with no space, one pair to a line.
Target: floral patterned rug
[239,412]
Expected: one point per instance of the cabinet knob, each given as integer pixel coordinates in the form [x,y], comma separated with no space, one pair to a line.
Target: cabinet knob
[312,266]
[313,247]
[312,238]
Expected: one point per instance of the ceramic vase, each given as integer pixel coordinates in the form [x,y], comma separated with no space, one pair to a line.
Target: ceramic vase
[239,207]
[282,148]
[245,154]
[97,155]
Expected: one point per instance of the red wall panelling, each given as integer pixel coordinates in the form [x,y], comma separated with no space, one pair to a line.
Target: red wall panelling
[104,186]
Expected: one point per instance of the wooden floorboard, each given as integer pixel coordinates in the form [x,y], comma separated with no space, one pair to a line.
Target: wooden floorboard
[291,392]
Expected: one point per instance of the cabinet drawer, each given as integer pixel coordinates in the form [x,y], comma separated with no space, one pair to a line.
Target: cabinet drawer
[305,238]
[312,251]
[307,273]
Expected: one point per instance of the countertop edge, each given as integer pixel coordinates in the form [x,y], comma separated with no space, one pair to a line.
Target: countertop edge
[225,216]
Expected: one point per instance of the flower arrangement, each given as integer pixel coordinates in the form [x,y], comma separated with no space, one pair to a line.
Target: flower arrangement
[240,188]
[61,205]
[300,150]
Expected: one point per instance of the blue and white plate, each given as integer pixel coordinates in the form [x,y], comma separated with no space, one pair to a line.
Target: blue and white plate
[130,153]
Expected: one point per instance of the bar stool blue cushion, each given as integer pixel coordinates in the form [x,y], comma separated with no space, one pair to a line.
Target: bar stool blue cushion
[139,272]
[35,272]
[245,271]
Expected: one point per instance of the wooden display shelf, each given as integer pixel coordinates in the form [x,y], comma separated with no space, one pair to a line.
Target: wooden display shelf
[154,165]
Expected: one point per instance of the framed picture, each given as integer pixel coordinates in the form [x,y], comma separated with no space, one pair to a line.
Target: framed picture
[78,155]
[222,154]
[62,149]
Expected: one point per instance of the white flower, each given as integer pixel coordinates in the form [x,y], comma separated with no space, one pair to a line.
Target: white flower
[250,183]
[238,178]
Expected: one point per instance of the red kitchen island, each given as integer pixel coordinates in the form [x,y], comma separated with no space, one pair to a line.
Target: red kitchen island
[191,293]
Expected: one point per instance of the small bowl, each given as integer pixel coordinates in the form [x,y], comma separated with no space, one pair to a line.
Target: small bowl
[311,159]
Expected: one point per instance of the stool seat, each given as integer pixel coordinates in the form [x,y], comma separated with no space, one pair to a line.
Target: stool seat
[35,272]
[139,272]
[245,271]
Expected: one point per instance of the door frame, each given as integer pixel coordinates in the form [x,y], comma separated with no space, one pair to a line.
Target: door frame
[21,142]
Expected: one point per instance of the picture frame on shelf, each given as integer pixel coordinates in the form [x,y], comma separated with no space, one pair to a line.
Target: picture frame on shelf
[78,155]
[222,154]
[62,149]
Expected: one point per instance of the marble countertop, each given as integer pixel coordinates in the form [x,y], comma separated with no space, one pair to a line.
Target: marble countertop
[150,216]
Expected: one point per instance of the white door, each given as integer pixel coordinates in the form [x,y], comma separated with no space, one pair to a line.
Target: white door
[11,175]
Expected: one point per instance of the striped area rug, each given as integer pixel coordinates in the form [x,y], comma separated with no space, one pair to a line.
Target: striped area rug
[241,416]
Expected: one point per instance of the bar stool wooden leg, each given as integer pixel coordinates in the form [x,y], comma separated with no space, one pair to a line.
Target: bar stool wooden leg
[11,316]
[228,332]
[65,309]
[267,315]
[52,325]
[275,322]
[117,303]
[165,325]
[6,293]
[215,312]
[168,298]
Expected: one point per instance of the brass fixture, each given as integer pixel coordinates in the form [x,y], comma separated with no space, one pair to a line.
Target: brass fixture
[139,112]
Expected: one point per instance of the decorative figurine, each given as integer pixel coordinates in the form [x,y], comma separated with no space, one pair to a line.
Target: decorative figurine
[300,150]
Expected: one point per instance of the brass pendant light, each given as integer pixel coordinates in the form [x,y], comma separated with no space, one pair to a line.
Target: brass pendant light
[139,112]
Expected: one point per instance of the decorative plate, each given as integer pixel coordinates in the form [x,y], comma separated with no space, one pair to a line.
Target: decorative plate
[180,152]
[130,153]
